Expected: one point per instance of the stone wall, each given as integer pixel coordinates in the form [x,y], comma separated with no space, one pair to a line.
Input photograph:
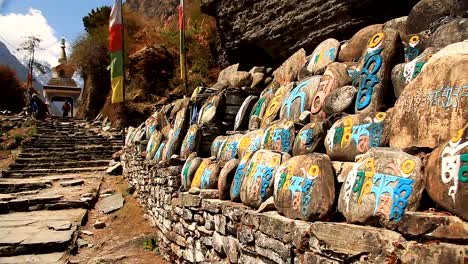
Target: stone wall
[201,228]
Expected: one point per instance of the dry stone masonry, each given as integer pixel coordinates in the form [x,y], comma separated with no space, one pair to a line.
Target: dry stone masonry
[355,153]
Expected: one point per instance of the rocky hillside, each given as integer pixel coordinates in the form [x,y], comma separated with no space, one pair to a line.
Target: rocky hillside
[159,9]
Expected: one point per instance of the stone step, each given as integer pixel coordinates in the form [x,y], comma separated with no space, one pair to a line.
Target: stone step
[41,172]
[65,155]
[60,164]
[52,258]
[42,203]
[62,158]
[16,187]
[39,232]
[52,149]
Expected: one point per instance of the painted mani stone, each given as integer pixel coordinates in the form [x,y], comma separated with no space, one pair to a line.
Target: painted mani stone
[257,184]
[356,134]
[159,153]
[243,116]
[299,99]
[305,187]
[225,178]
[279,136]
[191,141]
[382,185]
[335,76]
[236,184]
[206,176]
[153,144]
[250,142]
[447,174]
[228,149]
[375,68]
[176,134]
[275,104]
[324,54]
[414,46]
[308,138]
[216,145]
[188,171]
[207,112]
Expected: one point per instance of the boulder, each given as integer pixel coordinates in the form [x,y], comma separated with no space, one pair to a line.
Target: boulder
[431,107]
[250,142]
[425,12]
[305,187]
[206,176]
[289,70]
[452,32]
[226,74]
[176,134]
[216,145]
[308,138]
[274,106]
[242,117]
[188,171]
[339,100]
[399,24]
[334,77]
[299,99]
[376,68]
[404,73]
[382,185]
[238,178]
[225,178]
[257,79]
[447,174]
[414,45]
[207,112]
[257,183]
[111,203]
[229,148]
[279,136]
[191,141]
[353,49]
[356,134]
[153,144]
[323,55]
[240,79]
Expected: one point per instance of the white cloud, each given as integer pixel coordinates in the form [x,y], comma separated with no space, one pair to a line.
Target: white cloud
[16,27]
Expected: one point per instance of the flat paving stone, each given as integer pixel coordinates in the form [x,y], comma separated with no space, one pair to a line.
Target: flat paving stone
[72,183]
[52,258]
[111,203]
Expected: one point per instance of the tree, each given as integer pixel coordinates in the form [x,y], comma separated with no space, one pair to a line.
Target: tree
[12,96]
[96,18]
[29,47]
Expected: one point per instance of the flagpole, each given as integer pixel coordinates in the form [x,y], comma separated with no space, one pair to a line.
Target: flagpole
[124,121]
[183,62]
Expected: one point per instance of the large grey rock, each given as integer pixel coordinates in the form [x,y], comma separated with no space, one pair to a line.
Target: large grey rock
[339,100]
[383,184]
[111,203]
[289,70]
[452,32]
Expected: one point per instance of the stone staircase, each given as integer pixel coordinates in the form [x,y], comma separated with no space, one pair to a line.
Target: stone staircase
[46,193]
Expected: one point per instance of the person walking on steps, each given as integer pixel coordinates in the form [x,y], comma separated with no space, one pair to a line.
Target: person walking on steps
[66,108]
[35,101]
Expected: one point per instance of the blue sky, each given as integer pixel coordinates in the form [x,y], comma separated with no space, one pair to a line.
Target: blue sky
[48,19]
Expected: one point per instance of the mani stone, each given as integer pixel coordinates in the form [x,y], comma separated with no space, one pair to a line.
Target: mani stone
[258,179]
[225,178]
[299,99]
[242,117]
[288,71]
[153,144]
[404,73]
[190,167]
[352,50]
[323,55]
[208,110]
[206,176]
[339,100]
[236,184]
[250,142]
[176,135]
[229,148]
[432,107]
[264,100]
[414,44]
[375,69]
[279,136]
[159,152]
[356,134]
[308,139]
[191,141]
[382,185]
[305,187]
[335,76]
[447,174]
[216,145]
[275,104]
[452,32]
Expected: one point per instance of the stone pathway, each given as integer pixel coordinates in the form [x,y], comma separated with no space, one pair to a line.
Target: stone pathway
[45,195]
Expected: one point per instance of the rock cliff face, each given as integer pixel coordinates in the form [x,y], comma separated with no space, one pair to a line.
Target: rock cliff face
[160,9]
[253,31]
